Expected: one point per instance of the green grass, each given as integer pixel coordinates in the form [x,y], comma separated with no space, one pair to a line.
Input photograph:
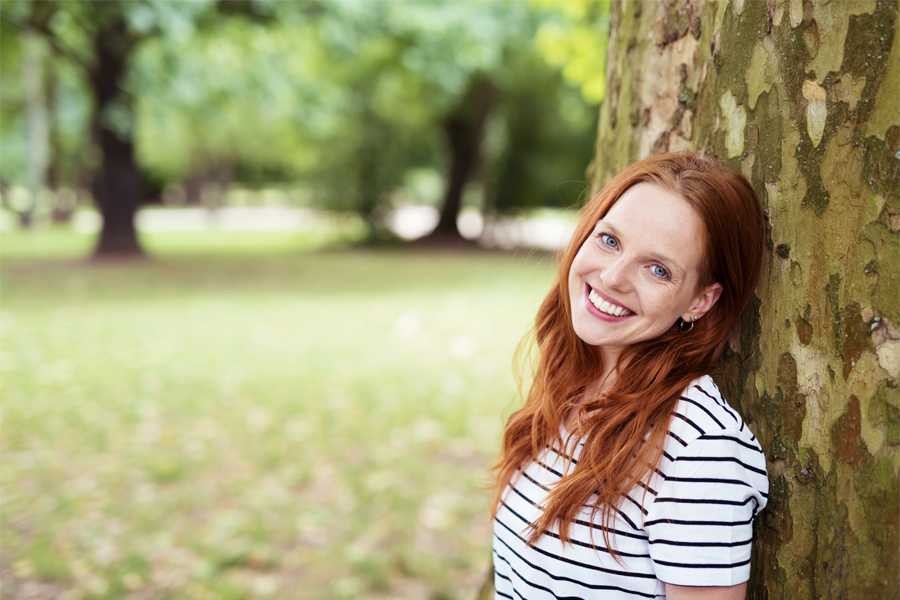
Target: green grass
[250,416]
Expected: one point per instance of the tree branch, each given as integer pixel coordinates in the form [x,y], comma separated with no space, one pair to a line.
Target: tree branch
[58,46]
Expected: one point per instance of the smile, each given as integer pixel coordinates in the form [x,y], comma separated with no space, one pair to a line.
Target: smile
[608,307]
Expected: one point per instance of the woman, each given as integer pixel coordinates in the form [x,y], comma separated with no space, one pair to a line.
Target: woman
[626,475]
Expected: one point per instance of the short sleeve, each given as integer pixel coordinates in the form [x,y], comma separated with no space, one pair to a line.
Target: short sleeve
[700,524]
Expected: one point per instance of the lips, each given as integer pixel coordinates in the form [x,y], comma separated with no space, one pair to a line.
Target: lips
[607,305]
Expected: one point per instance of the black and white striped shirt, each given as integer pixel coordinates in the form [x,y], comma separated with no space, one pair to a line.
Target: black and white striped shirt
[692,527]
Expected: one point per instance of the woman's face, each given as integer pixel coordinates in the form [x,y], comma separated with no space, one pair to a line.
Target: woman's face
[639,270]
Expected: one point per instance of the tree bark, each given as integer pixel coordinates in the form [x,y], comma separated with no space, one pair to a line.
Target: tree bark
[464,131]
[116,186]
[802,97]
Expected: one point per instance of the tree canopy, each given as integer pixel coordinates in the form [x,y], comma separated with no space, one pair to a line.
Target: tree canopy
[353,101]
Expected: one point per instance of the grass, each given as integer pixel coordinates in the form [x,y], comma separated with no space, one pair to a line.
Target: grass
[252,416]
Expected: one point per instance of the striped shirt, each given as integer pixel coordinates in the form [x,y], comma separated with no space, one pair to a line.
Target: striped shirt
[692,527]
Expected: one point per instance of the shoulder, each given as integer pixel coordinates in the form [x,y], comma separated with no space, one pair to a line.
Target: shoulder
[710,485]
[702,411]
[708,435]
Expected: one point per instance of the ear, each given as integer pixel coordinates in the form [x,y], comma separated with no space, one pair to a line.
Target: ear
[704,301]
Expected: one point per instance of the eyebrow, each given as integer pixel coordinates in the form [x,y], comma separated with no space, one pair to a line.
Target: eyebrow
[652,256]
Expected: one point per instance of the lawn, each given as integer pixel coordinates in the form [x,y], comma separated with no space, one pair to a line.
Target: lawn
[253,416]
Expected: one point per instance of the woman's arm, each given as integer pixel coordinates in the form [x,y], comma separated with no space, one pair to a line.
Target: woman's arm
[682,592]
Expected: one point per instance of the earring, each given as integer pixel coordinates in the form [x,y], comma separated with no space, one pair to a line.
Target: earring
[690,324]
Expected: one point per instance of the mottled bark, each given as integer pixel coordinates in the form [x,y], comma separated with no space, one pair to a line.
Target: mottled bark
[802,97]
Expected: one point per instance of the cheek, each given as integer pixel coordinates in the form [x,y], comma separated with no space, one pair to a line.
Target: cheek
[582,263]
[574,287]
[576,270]
[666,304]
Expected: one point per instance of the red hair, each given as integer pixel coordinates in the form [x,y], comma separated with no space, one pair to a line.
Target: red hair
[651,375]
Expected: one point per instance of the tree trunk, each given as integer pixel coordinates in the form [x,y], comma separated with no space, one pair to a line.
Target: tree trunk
[64,202]
[33,52]
[220,176]
[465,131]
[802,97]
[193,187]
[117,186]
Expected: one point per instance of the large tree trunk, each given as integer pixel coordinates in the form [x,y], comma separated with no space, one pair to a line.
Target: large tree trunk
[117,186]
[464,131]
[802,97]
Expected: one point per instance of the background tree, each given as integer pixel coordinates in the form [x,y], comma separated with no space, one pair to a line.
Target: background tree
[353,102]
[36,97]
[424,69]
[33,77]
[454,88]
[101,38]
[802,97]
[541,156]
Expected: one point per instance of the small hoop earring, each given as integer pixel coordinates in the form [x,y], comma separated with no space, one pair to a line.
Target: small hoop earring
[682,328]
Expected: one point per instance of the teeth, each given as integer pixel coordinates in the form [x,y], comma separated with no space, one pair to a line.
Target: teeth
[604,306]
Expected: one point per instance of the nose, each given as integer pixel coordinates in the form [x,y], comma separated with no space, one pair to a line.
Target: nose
[615,275]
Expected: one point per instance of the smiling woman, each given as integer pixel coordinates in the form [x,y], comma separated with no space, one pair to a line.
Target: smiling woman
[626,472]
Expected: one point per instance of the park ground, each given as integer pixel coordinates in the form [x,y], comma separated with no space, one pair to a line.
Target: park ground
[253,415]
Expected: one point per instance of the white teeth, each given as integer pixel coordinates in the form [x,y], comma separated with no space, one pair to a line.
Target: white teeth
[603,305]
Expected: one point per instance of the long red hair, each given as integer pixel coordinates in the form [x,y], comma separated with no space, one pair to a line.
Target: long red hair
[618,452]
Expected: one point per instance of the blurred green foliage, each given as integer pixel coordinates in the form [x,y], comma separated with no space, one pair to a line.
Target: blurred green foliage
[344,98]
[575,41]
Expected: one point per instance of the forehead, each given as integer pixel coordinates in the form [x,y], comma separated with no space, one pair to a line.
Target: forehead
[657,221]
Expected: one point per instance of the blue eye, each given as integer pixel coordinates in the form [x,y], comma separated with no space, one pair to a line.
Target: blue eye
[609,240]
[660,271]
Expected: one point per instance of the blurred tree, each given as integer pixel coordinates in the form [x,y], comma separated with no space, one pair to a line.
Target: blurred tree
[33,67]
[348,99]
[105,40]
[464,129]
[546,139]
[415,70]
[443,71]
[116,186]
[101,39]
[65,100]
[29,65]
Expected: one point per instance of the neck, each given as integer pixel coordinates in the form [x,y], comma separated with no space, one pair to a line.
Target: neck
[604,382]
[608,377]
[593,390]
